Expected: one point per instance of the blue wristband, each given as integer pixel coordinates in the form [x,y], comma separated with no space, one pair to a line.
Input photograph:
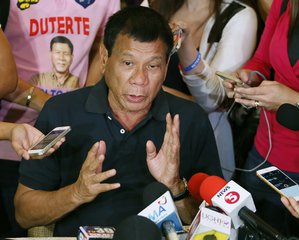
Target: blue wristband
[194,64]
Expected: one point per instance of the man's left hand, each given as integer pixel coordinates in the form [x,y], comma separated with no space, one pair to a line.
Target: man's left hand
[164,165]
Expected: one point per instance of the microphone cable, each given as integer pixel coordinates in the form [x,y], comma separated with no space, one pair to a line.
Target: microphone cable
[269,132]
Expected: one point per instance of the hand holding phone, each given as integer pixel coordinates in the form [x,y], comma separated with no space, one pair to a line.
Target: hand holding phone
[177,40]
[238,82]
[279,181]
[48,141]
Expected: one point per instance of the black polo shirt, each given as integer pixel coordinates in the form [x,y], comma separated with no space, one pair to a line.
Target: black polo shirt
[88,113]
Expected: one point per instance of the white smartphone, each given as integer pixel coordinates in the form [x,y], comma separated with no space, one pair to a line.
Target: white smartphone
[231,77]
[279,181]
[49,140]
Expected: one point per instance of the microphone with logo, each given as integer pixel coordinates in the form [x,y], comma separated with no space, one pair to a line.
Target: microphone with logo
[237,203]
[162,210]
[209,222]
[288,116]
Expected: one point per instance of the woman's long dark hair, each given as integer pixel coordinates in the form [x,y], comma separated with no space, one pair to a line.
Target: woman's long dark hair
[294,21]
[168,8]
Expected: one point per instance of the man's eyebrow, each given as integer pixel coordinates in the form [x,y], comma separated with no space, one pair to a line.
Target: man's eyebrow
[154,58]
[125,54]
[157,58]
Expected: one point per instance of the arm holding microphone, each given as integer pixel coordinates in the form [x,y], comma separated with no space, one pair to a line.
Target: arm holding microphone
[164,167]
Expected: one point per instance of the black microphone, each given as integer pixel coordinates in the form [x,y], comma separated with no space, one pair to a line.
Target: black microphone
[152,191]
[136,228]
[256,223]
[288,116]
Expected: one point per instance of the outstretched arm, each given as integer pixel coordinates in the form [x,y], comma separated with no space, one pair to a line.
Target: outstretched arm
[22,136]
[19,96]
[37,207]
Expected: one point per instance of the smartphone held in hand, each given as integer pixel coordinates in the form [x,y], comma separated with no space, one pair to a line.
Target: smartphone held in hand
[238,82]
[279,181]
[49,141]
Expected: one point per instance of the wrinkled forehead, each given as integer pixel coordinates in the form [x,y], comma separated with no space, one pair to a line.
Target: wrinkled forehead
[126,44]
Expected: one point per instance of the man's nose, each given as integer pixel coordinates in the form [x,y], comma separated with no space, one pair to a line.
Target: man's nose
[140,76]
[61,55]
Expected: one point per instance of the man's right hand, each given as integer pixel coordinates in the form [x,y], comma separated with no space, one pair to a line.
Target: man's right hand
[89,183]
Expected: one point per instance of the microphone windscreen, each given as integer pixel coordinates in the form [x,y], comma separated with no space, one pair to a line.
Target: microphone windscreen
[153,191]
[137,227]
[195,183]
[288,116]
[210,186]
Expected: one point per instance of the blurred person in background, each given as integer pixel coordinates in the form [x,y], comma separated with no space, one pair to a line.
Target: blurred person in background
[272,74]
[22,136]
[217,36]
[80,21]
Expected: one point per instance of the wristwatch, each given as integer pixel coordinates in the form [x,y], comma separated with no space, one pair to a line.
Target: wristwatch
[183,194]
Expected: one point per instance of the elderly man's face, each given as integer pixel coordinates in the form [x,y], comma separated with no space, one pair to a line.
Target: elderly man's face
[135,72]
[61,57]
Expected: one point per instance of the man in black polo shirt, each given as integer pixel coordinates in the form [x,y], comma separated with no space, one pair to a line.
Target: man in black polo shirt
[126,133]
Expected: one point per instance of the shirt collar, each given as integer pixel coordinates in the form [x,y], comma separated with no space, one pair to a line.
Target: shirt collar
[97,102]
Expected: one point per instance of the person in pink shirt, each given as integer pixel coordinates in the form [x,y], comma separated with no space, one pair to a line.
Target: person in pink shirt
[8,72]
[29,28]
[274,144]
[22,136]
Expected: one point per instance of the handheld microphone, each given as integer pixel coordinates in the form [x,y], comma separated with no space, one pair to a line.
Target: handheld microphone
[237,203]
[288,116]
[161,209]
[194,184]
[136,228]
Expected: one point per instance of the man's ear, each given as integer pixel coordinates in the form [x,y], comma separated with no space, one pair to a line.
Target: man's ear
[103,55]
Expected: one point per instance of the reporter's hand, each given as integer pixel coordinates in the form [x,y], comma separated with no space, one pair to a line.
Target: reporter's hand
[292,205]
[245,76]
[176,25]
[269,94]
[229,86]
[24,135]
[90,181]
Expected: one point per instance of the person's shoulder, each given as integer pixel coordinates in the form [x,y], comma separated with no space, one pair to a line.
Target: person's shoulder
[247,11]
[246,15]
